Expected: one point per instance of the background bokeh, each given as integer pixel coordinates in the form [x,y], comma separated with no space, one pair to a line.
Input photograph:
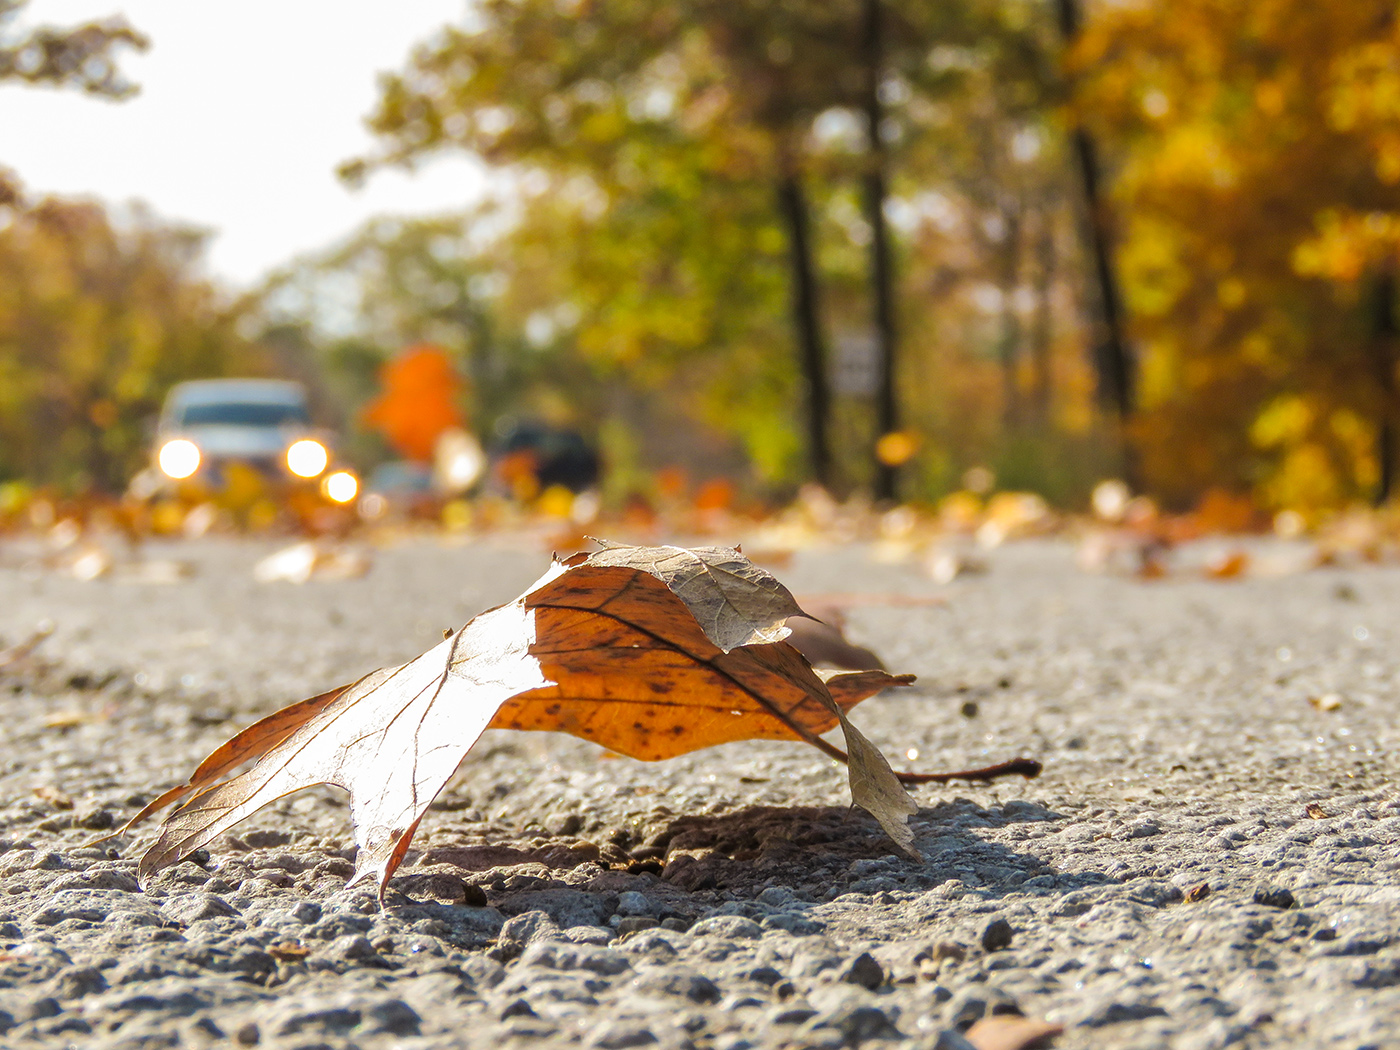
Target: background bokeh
[869,243]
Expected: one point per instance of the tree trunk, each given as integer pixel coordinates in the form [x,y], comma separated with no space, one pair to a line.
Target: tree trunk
[483,363]
[1384,331]
[881,270]
[1042,324]
[1009,348]
[806,322]
[1113,362]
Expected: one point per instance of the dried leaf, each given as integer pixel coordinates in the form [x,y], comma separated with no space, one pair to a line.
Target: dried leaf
[1197,893]
[302,561]
[666,688]
[289,951]
[734,601]
[66,719]
[254,742]
[611,653]
[1315,811]
[386,740]
[1010,1032]
[21,651]
[1229,565]
[54,797]
[849,688]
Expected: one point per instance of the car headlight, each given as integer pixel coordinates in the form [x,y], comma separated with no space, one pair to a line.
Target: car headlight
[307,458]
[341,487]
[179,458]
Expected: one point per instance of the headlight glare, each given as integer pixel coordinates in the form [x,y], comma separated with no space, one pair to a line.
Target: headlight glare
[341,487]
[179,458]
[307,458]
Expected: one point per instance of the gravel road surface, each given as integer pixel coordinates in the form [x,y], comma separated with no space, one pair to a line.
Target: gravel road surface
[1210,858]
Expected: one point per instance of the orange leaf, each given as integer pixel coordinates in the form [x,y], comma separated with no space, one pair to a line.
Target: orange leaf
[648,651]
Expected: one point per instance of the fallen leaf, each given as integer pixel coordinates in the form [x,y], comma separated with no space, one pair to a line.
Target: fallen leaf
[1315,811]
[650,652]
[21,651]
[1197,893]
[1010,1032]
[946,566]
[1229,565]
[66,719]
[293,564]
[289,951]
[54,797]
[160,571]
[91,564]
[734,601]
[302,561]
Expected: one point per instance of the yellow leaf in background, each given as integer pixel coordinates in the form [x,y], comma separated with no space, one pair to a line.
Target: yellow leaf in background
[897,448]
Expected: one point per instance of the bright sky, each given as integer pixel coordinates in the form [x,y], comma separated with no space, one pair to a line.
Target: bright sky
[245,110]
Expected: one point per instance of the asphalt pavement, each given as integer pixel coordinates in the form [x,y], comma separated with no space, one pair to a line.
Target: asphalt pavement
[1209,858]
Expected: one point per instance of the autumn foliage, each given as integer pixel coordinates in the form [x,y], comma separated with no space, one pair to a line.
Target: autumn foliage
[682,176]
[419,401]
[1259,154]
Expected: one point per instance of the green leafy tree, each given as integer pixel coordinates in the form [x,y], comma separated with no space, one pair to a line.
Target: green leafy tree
[454,281]
[682,139]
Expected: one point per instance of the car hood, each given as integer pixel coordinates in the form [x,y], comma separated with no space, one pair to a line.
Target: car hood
[235,441]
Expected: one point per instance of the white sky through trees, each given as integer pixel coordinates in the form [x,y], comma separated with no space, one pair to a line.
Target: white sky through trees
[244,111]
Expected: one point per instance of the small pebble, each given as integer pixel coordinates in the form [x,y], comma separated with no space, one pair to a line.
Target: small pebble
[864,971]
[997,935]
[1274,897]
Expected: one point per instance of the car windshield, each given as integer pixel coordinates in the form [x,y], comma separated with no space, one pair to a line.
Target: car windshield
[243,414]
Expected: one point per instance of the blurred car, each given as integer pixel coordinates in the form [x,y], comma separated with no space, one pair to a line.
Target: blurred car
[530,456]
[213,432]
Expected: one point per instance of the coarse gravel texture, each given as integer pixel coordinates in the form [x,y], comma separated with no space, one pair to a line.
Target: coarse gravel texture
[1210,858]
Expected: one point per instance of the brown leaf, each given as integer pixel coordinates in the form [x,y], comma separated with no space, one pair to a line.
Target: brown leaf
[1227,566]
[1010,1032]
[734,601]
[254,742]
[609,653]
[1315,811]
[66,719]
[54,797]
[849,688]
[1197,893]
[386,740]
[289,951]
[664,688]
[630,669]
